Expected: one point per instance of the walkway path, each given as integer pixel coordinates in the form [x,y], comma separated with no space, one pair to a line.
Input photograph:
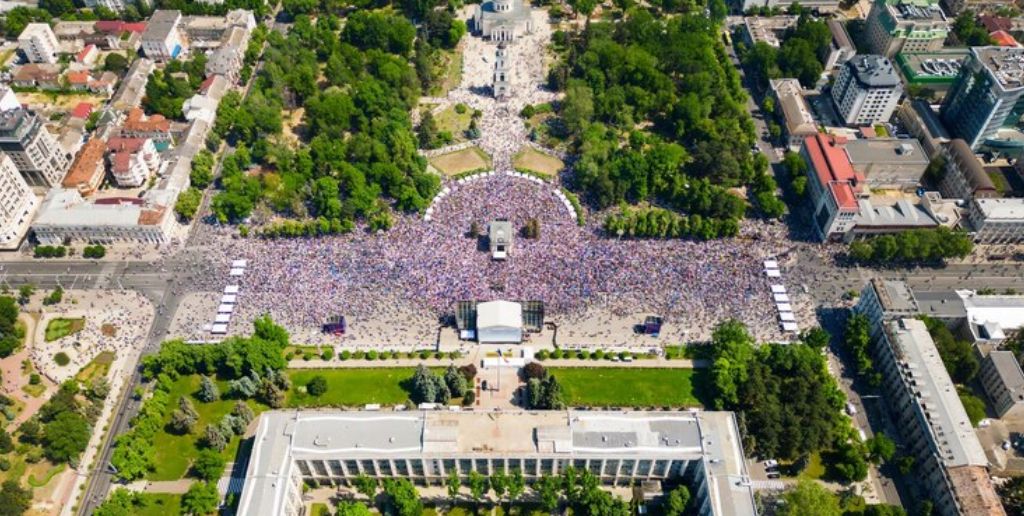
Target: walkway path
[353,363]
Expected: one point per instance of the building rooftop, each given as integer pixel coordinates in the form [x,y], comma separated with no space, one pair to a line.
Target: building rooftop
[1010,374]
[795,111]
[895,151]
[1003,38]
[937,67]
[768,29]
[873,71]
[16,123]
[66,207]
[840,37]
[912,12]
[894,296]
[161,24]
[1004,64]
[285,436]
[87,166]
[139,122]
[833,168]
[921,367]
[974,491]
[1006,209]
[902,213]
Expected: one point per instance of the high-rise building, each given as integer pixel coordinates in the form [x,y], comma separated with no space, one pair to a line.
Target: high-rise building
[895,26]
[39,43]
[867,90]
[114,5]
[987,95]
[16,204]
[501,72]
[35,152]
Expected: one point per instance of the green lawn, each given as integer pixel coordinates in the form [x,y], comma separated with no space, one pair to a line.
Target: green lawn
[351,387]
[631,387]
[175,453]
[319,509]
[96,368]
[454,122]
[160,504]
[59,328]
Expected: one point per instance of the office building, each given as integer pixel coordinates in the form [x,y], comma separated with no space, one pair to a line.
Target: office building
[39,43]
[986,95]
[162,40]
[996,221]
[832,186]
[820,6]
[884,300]
[936,71]
[329,448]
[982,319]
[1003,381]
[867,90]
[767,29]
[114,5]
[895,26]
[798,122]
[65,215]
[17,204]
[950,461]
[35,152]
[888,163]
[955,7]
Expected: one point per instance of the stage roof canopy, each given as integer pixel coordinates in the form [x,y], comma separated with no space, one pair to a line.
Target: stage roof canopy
[499,321]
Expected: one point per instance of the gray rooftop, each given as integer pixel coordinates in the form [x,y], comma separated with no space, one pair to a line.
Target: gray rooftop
[15,123]
[285,436]
[1010,374]
[1004,64]
[921,367]
[886,150]
[895,296]
[902,213]
[873,71]
[161,24]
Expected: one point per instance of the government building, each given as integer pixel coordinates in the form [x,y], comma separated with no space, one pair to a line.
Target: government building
[330,448]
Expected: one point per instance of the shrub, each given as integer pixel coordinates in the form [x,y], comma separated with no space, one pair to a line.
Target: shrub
[289,355]
[438,355]
[359,355]
[371,355]
[424,355]
[346,354]
[308,355]
[317,385]
[460,108]
[469,398]
[583,354]
[597,355]
[534,370]
[5,464]
[566,353]
[34,379]
[541,355]
[327,354]
[61,358]
[455,355]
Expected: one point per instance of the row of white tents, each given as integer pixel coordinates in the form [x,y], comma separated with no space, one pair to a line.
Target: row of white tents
[228,300]
[787,319]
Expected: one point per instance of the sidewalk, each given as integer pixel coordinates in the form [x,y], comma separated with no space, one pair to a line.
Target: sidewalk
[353,363]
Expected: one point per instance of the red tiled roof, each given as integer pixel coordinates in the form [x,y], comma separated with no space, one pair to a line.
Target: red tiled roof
[137,122]
[81,77]
[139,27]
[85,51]
[120,161]
[82,110]
[87,171]
[206,84]
[1003,38]
[833,168]
[994,23]
[109,26]
[122,144]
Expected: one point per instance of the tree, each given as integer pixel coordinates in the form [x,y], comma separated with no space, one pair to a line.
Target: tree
[201,498]
[424,387]
[427,133]
[402,497]
[121,502]
[57,8]
[1012,494]
[677,501]
[366,486]
[115,62]
[188,203]
[214,437]
[208,390]
[317,385]
[453,484]
[516,485]
[185,417]
[534,370]
[10,336]
[547,488]
[477,485]
[14,499]
[578,107]
[816,338]
[209,465]
[6,443]
[499,484]
[880,448]
[973,405]
[65,437]
[352,509]
[848,462]
[966,30]
[809,497]
[455,381]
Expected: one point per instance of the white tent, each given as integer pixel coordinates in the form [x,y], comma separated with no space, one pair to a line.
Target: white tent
[225,309]
[231,289]
[784,307]
[499,321]
[228,299]
[787,317]
[771,264]
[778,289]
[790,326]
[237,272]
[239,263]
[219,329]
[222,318]
[773,273]
[781,298]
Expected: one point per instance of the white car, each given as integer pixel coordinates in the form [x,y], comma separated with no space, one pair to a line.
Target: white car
[771,463]
[851,410]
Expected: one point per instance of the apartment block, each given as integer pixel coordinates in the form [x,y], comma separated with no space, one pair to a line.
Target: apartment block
[17,204]
[39,43]
[35,152]
[867,90]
